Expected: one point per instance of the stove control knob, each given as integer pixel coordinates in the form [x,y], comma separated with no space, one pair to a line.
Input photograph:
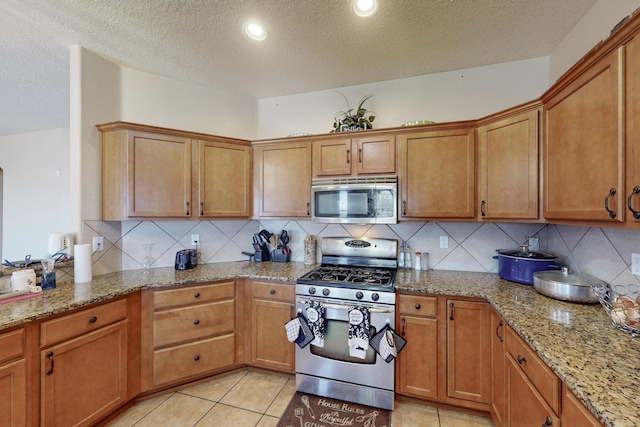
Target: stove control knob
[312,290]
[325,292]
[375,296]
[359,295]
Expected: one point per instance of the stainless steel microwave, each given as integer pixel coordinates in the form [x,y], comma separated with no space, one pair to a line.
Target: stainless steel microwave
[361,200]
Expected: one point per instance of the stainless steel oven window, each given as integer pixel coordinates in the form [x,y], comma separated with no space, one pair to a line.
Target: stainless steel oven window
[336,333]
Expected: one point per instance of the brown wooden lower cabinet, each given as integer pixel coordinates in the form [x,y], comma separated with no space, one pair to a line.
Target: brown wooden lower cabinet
[13,379]
[84,361]
[272,305]
[574,413]
[188,332]
[447,357]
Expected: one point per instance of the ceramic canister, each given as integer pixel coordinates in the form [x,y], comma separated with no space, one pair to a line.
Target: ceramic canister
[23,280]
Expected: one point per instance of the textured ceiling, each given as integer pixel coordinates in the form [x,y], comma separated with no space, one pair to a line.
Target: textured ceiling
[312,44]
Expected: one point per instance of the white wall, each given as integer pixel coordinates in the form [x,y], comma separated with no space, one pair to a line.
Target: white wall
[595,26]
[456,95]
[36,191]
[160,101]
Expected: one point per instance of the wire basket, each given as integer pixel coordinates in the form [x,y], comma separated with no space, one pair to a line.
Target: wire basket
[622,304]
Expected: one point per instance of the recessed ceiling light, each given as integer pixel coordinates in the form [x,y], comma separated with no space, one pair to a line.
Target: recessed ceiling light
[365,8]
[255,31]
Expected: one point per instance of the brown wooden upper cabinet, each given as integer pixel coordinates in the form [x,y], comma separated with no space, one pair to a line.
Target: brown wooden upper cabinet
[282,179]
[150,172]
[508,164]
[584,144]
[437,173]
[354,156]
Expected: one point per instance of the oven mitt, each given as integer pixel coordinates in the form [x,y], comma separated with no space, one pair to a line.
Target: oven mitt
[298,331]
[358,331]
[315,317]
[387,343]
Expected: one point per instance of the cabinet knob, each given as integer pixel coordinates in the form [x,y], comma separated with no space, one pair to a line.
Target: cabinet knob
[196,295]
[196,322]
[521,359]
[417,306]
[196,357]
[272,291]
[93,319]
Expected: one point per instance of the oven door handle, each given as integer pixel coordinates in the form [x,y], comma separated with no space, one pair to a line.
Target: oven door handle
[346,307]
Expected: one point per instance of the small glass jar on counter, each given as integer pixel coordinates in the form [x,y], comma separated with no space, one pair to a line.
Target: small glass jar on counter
[48,274]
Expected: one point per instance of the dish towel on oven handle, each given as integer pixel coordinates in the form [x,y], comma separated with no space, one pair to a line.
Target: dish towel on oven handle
[298,331]
[358,331]
[387,343]
[315,314]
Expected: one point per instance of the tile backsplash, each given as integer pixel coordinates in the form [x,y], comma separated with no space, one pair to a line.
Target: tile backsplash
[601,252]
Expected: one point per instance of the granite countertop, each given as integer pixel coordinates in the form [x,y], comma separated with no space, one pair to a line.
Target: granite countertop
[596,361]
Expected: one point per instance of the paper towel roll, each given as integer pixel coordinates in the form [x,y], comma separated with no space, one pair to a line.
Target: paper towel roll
[82,263]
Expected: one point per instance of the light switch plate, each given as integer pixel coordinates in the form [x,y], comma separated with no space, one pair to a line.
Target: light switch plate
[98,243]
[635,264]
[444,242]
[195,240]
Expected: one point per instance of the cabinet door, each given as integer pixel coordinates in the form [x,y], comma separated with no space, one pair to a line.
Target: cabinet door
[525,406]
[508,163]
[270,347]
[283,179]
[85,378]
[375,155]
[468,351]
[417,363]
[498,397]
[438,174]
[159,176]
[632,109]
[224,180]
[574,413]
[13,392]
[584,147]
[332,157]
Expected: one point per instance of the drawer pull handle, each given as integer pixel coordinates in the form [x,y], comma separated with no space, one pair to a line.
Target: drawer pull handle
[451,312]
[636,190]
[291,310]
[548,422]
[93,319]
[359,155]
[50,357]
[404,207]
[187,212]
[521,359]
[196,295]
[348,156]
[402,321]
[196,322]
[498,333]
[482,212]
[612,192]
[417,306]
[272,291]
[196,358]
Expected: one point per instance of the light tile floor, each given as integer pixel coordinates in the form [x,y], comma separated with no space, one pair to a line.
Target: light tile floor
[257,399]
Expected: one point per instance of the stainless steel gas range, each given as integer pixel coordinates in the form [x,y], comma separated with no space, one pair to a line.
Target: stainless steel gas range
[353,288]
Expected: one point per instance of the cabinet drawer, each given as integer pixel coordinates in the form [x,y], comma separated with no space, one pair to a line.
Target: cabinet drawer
[194,295]
[415,305]
[193,322]
[12,344]
[72,325]
[278,291]
[183,361]
[542,377]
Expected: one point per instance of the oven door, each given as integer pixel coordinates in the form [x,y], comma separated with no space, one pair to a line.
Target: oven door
[333,361]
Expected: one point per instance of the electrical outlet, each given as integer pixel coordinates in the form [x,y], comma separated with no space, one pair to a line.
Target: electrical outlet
[444,242]
[98,243]
[635,264]
[195,240]
[534,244]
